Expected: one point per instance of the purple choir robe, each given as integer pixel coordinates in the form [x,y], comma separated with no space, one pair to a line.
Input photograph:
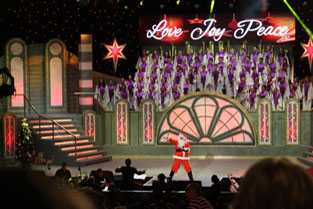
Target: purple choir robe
[203,77]
[215,75]
[179,59]
[248,66]
[139,95]
[263,94]
[151,94]
[252,97]
[210,67]
[261,67]
[123,94]
[154,76]
[241,86]
[275,98]
[143,65]
[111,91]
[273,67]
[255,75]
[130,87]
[220,66]
[200,56]
[169,67]
[196,66]
[191,76]
[178,76]
[176,95]
[255,56]
[230,76]
[267,56]
[189,58]
[186,88]
[306,86]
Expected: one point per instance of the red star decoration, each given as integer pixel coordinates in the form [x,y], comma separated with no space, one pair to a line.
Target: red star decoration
[115,52]
[195,20]
[308,51]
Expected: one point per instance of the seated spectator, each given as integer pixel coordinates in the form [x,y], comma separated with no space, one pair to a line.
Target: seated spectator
[275,183]
[193,196]
[128,174]
[159,186]
[63,173]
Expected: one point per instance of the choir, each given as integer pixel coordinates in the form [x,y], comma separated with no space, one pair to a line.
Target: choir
[244,77]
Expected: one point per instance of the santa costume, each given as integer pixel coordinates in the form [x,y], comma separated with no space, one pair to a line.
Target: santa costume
[181,155]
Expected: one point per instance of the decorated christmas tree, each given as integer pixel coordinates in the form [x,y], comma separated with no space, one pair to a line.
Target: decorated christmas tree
[24,144]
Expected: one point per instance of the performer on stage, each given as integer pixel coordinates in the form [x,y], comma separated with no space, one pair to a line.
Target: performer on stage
[307,94]
[100,90]
[181,155]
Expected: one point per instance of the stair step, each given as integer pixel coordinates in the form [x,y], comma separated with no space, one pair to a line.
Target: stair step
[98,152]
[308,154]
[84,149]
[82,153]
[70,138]
[95,160]
[60,136]
[51,126]
[49,121]
[306,161]
[71,142]
[78,147]
[56,131]
[310,148]
[60,133]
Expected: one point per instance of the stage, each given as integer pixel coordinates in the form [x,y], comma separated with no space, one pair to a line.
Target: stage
[203,168]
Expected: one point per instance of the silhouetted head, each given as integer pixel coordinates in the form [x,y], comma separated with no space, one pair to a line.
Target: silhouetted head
[128,162]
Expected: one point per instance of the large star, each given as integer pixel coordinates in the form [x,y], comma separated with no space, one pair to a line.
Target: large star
[115,52]
[308,51]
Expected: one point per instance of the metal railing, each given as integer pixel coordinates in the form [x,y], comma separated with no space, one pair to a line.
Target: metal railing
[54,123]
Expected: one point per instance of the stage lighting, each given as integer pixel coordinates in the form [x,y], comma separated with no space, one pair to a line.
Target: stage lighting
[126,7]
[178,2]
[196,6]
[231,5]
[162,6]
[141,3]
[304,3]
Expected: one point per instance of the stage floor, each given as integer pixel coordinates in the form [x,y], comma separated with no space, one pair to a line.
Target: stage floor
[203,169]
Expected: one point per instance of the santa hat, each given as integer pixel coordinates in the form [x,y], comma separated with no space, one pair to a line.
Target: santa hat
[183,134]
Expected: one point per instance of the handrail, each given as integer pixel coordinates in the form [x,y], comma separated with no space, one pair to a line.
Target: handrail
[44,117]
[82,93]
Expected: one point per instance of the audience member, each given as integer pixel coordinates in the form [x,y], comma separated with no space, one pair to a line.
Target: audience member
[63,173]
[275,183]
[193,196]
[128,174]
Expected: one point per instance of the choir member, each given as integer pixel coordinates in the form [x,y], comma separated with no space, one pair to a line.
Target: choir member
[248,64]
[179,58]
[261,67]
[285,67]
[151,94]
[221,54]
[297,88]
[277,101]
[196,64]
[154,74]
[155,57]
[164,99]
[209,55]
[178,74]
[272,65]
[186,88]
[184,66]
[281,56]
[202,79]
[307,92]
[232,54]
[265,94]
[139,96]
[192,75]
[139,83]
[217,79]
[242,56]
[155,66]
[253,100]
[234,64]
[255,56]
[100,90]
[201,56]
[169,66]
[166,75]
[189,56]
[109,95]
[221,65]
[229,81]
[165,59]
[210,65]
[293,94]
[175,94]
[130,87]
[139,74]
[140,59]
[242,93]
[151,83]
[123,93]
[163,83]
[143,64]
[254,75]
[268,54]
[257,85]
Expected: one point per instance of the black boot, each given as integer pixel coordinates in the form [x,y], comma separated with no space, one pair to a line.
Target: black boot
[190,176]
[171,176]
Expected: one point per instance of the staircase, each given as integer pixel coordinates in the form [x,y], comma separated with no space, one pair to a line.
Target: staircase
[59,146]
[307,158]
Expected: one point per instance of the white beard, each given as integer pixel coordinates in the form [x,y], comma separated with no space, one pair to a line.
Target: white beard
[181,143]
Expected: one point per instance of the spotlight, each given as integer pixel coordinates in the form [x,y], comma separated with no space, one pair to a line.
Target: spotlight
[178,2]
[162,6]
[141,3]
[126,7]
[196,6]
[304,3]
[231,5]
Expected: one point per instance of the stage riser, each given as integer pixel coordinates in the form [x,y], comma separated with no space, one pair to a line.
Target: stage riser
[106,136]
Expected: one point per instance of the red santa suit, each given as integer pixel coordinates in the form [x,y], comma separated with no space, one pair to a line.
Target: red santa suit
[181,155]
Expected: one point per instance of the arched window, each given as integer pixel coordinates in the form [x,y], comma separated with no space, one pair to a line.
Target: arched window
[208,118]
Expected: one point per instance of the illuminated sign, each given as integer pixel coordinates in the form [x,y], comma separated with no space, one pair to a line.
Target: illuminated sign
[178,28]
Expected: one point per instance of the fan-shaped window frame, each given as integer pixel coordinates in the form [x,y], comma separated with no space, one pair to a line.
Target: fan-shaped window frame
[219,139]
